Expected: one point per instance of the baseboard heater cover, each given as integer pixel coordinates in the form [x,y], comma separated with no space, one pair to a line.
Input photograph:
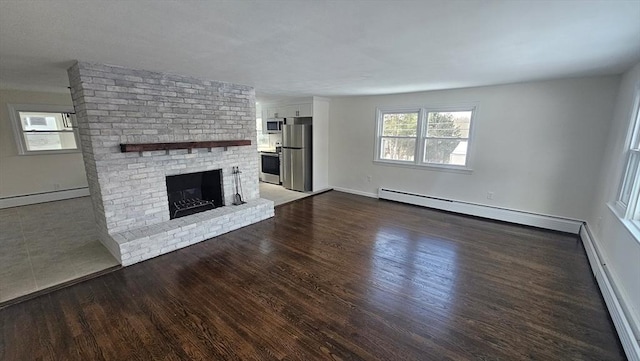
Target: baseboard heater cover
[479,210]
[26,199]
[605,283]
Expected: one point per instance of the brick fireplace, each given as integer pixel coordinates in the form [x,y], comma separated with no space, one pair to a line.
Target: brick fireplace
[116,105]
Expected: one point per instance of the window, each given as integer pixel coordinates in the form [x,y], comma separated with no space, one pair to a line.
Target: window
[447,137]
[629,195]
[424,136]
[398,138]
[42,129]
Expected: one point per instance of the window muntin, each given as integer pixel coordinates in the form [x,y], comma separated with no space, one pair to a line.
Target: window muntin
[424,136]
[41,129]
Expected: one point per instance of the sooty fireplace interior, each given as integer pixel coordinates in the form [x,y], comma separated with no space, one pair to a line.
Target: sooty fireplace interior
[194,192]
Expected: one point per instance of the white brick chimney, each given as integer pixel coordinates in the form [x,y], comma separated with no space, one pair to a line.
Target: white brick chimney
[116,105]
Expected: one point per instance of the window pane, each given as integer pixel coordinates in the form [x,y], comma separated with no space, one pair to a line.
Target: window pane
[629,177]
[43,121]
[636,136]
[50,141]
[400,124]
[44,131]
[397,148]
[448,124]
[445,151]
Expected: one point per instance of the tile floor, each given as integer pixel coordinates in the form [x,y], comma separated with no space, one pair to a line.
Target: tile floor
[42,245]
[45,244]
[279,194]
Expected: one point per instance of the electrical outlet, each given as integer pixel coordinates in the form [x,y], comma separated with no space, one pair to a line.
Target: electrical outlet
[56,186]
[489,195]
[369,178]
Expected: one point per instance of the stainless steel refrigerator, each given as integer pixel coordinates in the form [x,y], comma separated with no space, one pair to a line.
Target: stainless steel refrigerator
[296,157]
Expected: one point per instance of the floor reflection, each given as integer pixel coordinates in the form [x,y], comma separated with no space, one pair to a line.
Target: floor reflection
[266,246]
[413,274]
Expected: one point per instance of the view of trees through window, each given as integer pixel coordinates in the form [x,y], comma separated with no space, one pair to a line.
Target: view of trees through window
[444,139]
[447,137]
[399,131]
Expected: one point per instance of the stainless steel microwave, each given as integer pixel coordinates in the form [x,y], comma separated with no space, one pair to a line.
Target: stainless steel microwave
[274,126]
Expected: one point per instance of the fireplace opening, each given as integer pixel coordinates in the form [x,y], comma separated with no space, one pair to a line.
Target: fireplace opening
[194,192]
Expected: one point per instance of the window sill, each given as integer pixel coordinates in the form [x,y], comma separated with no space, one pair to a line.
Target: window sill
[632,226]
[431,167]
[50,152]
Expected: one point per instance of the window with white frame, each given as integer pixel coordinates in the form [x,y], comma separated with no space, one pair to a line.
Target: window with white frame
[397,132]
[629,195]
[42,129]
[424,136]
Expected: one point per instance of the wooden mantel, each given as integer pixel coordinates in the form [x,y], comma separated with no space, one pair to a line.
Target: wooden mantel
[146,147]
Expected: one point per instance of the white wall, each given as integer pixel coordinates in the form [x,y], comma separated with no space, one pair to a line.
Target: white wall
[320,171]
[29,174]
[537,145]
[621,252]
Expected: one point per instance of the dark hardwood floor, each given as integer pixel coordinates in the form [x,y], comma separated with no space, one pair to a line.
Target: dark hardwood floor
[333,277]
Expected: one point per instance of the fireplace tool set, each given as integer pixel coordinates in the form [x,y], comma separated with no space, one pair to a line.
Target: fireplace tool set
[237,198]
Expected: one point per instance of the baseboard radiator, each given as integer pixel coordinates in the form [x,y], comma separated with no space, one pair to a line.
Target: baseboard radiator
[26,199]
[480,210]
[605,282]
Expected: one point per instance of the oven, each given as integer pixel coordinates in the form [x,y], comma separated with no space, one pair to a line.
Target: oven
[270,167]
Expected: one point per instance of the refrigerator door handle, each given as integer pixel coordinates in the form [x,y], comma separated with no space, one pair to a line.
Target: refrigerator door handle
[286,168]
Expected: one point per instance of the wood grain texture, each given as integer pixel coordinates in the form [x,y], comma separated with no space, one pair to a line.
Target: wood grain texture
[145,147]
[333,277]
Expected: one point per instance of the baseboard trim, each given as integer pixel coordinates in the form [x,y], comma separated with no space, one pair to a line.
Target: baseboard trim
[484,211]
[23,200]
[353,191]
[612,299]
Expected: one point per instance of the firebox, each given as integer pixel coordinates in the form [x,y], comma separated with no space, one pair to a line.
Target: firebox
[194,192]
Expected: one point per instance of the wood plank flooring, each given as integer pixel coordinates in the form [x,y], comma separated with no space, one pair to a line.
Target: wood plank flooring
[333,277]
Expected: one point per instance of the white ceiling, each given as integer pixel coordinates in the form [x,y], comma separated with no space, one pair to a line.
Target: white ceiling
[299,48]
